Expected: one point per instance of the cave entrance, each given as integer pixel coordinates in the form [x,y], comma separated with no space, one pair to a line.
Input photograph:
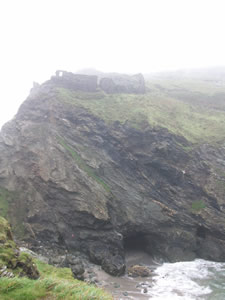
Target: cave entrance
[137,242]
[201,232]
[136,253]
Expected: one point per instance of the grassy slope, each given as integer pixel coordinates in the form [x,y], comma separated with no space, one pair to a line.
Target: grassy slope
[54,283]
[193,109]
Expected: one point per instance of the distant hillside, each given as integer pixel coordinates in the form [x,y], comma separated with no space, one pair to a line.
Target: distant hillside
[211,74]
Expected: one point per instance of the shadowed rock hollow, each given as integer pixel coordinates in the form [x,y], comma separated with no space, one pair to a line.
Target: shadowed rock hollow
[74,182]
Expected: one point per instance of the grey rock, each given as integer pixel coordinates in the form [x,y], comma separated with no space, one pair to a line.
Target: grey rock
[114,265]
[78,271]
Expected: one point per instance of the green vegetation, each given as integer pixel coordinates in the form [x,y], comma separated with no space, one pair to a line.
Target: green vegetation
[187,108]
[49,288]
[6,243]
[4,202]
[199,86]
[17,263]
[83,165]
[197,206]
[54,283]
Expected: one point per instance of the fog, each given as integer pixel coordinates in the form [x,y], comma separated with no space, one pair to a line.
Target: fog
[129,36]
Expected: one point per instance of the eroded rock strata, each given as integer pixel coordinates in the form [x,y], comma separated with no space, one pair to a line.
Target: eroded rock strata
[73,182]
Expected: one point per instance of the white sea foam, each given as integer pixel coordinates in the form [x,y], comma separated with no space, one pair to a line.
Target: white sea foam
[185,280]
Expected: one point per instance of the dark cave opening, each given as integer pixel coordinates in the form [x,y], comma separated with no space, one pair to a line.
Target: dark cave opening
[201,232]
[137,242]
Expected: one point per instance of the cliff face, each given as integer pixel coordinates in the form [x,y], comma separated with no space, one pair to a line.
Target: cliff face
[73,181]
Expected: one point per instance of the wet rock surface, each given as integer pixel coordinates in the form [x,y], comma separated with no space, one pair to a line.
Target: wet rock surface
[75,183]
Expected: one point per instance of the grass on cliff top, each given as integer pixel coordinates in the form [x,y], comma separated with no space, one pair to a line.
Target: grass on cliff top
[54,283]
[197,121]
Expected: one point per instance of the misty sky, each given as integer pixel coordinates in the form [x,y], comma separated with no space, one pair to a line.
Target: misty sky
[41,36]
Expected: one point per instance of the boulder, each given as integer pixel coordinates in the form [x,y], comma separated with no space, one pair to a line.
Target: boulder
[114,265]
[78,270]
[111,259]
[138,271]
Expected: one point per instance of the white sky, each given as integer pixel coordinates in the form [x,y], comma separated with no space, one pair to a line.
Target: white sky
[40,36]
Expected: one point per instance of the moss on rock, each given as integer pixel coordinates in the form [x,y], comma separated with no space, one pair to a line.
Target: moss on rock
[11,258]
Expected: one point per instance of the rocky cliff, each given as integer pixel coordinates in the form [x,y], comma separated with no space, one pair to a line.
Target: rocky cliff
[71,179]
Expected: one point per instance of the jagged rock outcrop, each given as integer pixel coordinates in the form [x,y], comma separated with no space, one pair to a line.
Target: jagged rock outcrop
[73,182]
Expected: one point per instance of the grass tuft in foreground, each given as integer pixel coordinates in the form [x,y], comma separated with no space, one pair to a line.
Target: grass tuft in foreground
[54,283]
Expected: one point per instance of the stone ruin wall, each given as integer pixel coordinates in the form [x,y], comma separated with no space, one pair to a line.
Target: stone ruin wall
[110,84]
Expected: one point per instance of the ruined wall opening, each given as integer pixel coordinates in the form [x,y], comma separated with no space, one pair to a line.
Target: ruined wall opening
[59,73]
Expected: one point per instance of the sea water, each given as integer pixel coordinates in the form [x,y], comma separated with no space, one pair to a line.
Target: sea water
[193,280]
[198,279]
